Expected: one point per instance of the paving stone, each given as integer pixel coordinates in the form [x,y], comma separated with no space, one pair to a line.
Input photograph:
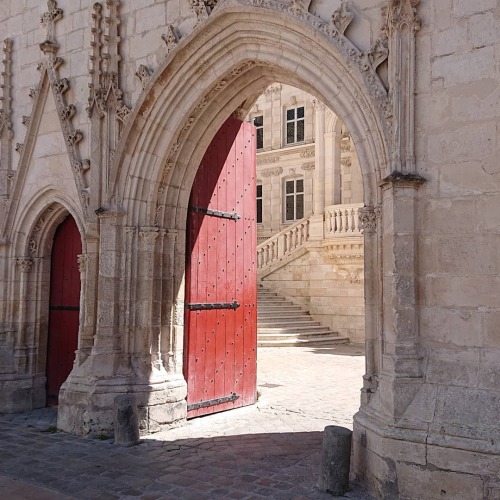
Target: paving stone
[268,450]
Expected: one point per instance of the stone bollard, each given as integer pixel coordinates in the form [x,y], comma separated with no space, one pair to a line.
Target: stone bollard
[335,461]
[126,420]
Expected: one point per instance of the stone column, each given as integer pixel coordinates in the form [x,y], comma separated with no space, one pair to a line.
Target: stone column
[401,358]
[107,340]
[332,168]
[369,217]
[316,228]
[25,265]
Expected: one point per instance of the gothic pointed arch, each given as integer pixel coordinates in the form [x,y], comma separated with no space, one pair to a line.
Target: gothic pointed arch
[240,51]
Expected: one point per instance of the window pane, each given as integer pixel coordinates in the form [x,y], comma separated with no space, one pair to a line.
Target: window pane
[259,190]
[289,212]
[290,114]
[258,121]
[260,138]
[300,131]
[289,187]
[290,132]
[300,206]
[300,186]
[259,211]
[300,112]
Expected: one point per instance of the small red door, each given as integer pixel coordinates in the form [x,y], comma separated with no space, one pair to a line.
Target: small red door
[221,275]
[64,307]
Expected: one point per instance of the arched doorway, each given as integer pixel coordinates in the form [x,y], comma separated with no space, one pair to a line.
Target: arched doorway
[64,307]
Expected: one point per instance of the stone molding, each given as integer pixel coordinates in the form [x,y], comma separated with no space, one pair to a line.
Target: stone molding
[267,160]
[271,172]
[6,132]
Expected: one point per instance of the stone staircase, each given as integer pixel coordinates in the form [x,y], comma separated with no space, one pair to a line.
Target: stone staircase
[280,323]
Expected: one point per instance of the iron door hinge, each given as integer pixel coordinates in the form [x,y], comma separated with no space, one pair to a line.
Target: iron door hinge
[216,213]
[213,305]
[213,402]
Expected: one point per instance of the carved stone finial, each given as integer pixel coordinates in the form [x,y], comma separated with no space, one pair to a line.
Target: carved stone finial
[342,17]
[48,20]
[400,12]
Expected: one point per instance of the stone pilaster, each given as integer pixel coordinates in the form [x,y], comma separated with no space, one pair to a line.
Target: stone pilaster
[401,356]
[316,221]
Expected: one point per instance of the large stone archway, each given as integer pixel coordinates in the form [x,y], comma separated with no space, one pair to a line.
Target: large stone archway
[214,72]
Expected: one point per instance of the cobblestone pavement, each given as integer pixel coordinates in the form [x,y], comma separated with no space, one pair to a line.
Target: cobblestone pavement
[268,450]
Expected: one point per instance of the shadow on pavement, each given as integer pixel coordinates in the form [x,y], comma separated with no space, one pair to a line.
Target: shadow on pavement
[271,465]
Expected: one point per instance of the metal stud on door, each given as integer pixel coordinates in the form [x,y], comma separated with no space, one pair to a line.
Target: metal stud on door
[221,275]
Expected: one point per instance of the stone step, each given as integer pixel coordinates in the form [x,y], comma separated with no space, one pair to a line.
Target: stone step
[280,322]
[319,341]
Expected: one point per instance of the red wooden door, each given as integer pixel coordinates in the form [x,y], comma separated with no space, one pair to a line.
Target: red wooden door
[221,275]
[64,307]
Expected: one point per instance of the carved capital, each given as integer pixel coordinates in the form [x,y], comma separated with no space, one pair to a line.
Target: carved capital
[368,219]
[25,264]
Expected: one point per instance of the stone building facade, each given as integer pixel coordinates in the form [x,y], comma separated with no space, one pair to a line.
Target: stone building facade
[106,112]
[309,191]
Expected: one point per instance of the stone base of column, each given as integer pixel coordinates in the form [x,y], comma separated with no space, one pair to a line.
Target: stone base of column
[22,393]
[397,461]
[86,402]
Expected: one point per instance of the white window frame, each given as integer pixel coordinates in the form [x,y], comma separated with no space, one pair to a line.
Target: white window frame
[294,195]
[295,121]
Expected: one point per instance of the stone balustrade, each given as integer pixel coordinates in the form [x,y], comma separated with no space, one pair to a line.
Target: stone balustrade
[342,220]
[282,244]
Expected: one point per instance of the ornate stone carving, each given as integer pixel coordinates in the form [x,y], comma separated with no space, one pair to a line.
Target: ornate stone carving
[368,218]
[33,93]
[309,166]
[273,90]
[308,153]
[401,23]
[19,147]
[25,264]
[6,133]
[378,52]
[271,172]
[25,120]
[82,263]
[32,247]
[75,138]
[200,9]
[342,17]
[346,161]
[68,112]
[61,86]
[144,75]
[170,38]
[267,160]
[48,20]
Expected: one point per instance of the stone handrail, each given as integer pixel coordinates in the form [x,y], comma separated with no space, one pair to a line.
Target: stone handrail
[282,244]
[342,220]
